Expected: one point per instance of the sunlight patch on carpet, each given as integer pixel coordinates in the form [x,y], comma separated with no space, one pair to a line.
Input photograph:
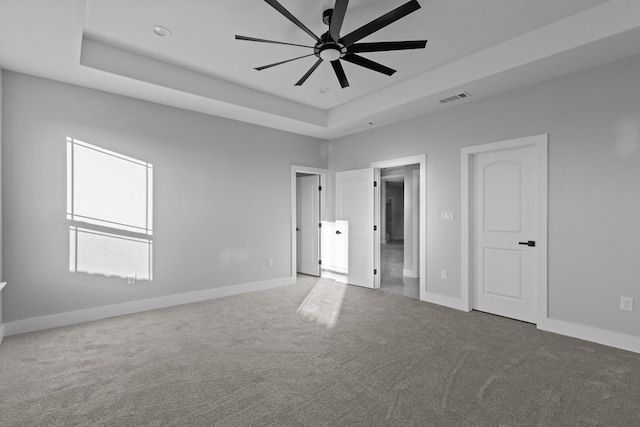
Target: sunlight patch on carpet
[324,302]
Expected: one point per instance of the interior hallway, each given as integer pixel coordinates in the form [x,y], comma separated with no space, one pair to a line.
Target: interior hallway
[391,266]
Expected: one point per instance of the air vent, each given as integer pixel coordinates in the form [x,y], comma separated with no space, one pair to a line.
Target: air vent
[455,97]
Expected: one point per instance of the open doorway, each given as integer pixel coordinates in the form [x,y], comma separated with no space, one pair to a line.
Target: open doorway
[415,182]
[307,214]
[308,224]
[399,234]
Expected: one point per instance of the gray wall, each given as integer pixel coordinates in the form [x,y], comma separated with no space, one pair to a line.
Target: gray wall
[593,122]
[1,208]
[395,192]
[221,195]
[222,189]
[411,221]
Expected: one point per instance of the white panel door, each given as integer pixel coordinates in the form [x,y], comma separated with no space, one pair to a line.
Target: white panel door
[505,228]
[354,240]
[307,224]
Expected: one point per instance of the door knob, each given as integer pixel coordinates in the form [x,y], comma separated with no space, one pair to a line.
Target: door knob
[338,232]
[528,243]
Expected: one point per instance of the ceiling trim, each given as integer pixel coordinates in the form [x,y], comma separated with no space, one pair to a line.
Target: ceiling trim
[559,37]
[58,48]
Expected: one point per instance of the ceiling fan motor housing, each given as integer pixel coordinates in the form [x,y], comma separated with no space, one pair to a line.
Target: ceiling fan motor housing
[326,16]
[327,48]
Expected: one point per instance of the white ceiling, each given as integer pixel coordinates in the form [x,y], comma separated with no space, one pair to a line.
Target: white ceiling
[482,47]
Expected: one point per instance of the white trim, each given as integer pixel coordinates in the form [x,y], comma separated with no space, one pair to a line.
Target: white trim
[410,273]
[444,300]
[2,328]
[420,159]
[377,234]
[593,334]
[541,144]
[415,217]
[80,316]
[394,176]
[323,183]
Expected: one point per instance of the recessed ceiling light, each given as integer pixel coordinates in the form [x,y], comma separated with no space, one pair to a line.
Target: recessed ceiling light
[324,90]
[161,31]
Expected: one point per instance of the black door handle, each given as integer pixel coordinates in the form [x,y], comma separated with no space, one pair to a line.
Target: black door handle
[338,232]
[528,243]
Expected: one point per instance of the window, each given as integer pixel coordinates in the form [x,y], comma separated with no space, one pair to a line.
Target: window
[110,212]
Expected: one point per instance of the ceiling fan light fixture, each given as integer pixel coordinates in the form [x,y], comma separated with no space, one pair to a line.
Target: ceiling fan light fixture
[330,54]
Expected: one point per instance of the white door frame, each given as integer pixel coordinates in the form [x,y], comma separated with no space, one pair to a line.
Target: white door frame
[467,153]
[323,183]
[420,159]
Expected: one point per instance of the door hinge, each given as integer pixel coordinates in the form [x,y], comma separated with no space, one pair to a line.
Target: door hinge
[375,228]
[375,271]
[320,188]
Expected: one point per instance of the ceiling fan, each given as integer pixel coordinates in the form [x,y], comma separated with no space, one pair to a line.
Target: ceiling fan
[333,48]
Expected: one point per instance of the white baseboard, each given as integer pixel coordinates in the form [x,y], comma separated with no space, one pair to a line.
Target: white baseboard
[410,273]
[2,329]
[71,318]
[593,334]
[447,301]
[574,330]
[587,333]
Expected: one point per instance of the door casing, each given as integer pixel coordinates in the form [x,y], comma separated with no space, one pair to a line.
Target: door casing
[308,218]
[421,160]
[294,204]
[540,142]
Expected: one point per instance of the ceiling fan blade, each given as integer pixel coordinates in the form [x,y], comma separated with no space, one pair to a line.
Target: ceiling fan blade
[277,6]
[379,23]
[281,62]
[384,46]
[337,17]
[342,77]
[308,73]
[367,63]
[253,39]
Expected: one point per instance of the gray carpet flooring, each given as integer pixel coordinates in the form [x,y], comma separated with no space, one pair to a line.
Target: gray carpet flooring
[313,354]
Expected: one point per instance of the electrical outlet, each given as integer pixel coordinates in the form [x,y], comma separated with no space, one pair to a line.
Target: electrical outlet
[270,262]
[131,279]
[444,274]
[447,216]
[626,303]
